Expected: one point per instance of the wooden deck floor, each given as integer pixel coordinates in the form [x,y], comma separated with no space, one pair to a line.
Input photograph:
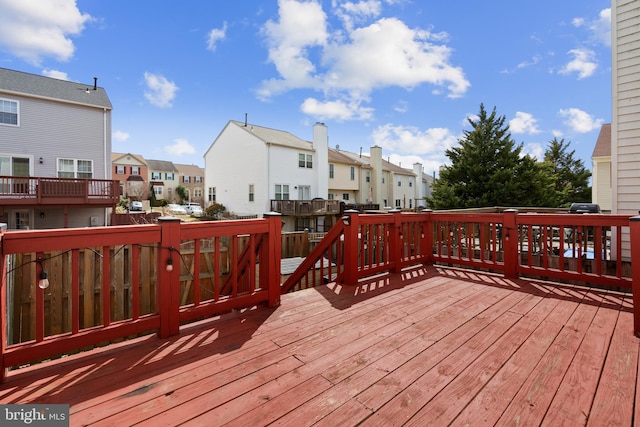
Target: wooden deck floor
[428,347]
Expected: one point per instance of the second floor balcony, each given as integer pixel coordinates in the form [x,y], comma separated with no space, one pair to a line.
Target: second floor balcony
[315,207]
[25,191]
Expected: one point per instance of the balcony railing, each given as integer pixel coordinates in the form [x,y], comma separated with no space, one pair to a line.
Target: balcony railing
[16,190]
[316,207]
[109,283]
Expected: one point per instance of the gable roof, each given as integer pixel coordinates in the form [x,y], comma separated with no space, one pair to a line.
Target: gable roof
[386,165]
[275,137]
[603,144]
[339,157]
[21,83]
[116,157]
[190,170]
[161,165]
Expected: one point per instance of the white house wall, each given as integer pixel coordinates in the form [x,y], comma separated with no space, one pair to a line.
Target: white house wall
[235,160]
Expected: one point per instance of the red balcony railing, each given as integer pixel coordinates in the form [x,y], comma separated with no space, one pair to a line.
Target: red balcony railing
[16,190]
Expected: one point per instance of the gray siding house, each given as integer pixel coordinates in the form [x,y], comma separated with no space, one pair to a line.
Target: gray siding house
[55,152]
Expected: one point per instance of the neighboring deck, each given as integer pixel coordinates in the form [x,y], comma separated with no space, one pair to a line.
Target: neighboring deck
[428,347]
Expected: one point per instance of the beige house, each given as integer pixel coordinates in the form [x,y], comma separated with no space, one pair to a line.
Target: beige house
[191,177]
[625,125]
[345,178]
[601,175]
[163,179]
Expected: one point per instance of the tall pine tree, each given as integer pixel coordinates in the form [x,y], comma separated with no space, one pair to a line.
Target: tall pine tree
[570,176]
[488,169]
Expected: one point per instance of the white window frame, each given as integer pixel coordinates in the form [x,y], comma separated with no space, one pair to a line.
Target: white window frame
[251,193]
[156,176]
[120,170]
[75,168]
[282,192]
[7,107]
[135,170]
[305,161]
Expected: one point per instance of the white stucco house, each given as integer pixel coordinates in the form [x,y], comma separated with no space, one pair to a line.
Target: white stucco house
[249,166]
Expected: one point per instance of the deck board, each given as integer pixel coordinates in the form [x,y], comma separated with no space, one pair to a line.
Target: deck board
[430,346]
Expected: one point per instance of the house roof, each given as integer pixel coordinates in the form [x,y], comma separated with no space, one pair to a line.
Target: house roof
[161,165]
[21,83]
[339,157]
[603,144]
[116,157]
[190,170]
[386,165]
[274,136]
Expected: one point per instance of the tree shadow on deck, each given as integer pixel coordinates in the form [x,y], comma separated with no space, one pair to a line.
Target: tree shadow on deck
[145,359]
[341,296]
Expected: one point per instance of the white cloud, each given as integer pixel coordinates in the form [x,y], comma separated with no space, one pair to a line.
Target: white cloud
[120,136]
[215,35]
[161,91]
[337,110]
[599,27]
[524,123]
[535,149]
[350,64]
[409,139]
[580,121]
[55,74]
[179,147]
[33,29]
[583,63]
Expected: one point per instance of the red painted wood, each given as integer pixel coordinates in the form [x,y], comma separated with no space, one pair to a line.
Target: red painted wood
[75,292]
[635,273]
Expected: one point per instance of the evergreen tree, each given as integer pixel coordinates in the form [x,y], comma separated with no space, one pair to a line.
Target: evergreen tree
[487,169]
[570,176]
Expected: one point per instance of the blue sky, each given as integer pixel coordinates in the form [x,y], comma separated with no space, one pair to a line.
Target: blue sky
[404,75]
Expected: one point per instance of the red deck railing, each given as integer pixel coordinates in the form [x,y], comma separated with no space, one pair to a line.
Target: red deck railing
[109,283]
[18,190]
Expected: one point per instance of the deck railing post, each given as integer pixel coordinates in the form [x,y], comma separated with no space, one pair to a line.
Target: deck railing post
[634,235]
[3,304]
[395,242]
[351,245]
[168,276]
[510,243]
[272,253]
[427,237]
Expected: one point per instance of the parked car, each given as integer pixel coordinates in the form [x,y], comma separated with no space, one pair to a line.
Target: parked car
[135,206]
[193,209]
[176,209]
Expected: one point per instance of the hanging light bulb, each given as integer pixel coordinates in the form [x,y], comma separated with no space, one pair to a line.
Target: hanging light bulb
[169,264]
[43,283]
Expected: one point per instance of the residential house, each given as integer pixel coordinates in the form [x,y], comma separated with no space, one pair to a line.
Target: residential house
[132,173]
[191,177]
[253,169]
[345,175]
[55,152]
[601,170]
[625,124]
[163,180]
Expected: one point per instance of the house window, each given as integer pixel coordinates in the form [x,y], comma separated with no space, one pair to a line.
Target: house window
[345,196]
[135,170]
[331,171]
[384,177]
[367,176]
[197,179]
[74,168]
[212,194]
[169,176]
[8,112]
[397,203]
[353,173]
[197,193]
[120,170]
[305,161]
[399,183]
[156,176]
[251,194]
[410,203]
[157,190]
[331,196]
[186,179]
[410,184]
[282,192]
[386,202]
